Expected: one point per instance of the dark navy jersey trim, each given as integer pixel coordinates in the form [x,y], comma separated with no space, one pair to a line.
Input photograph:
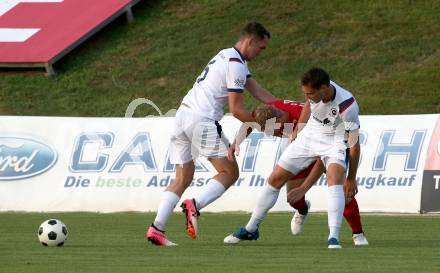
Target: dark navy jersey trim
[239,53]
[219,129]
[235,60]
[236,90]
[345,104]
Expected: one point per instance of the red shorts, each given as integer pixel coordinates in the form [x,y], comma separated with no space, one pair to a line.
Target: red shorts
[304,173]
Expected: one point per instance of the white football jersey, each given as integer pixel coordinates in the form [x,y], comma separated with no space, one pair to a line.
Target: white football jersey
[226,72]
[335,117]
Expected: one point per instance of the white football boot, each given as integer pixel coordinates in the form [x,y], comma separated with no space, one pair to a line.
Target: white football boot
[298,220]
[360,239]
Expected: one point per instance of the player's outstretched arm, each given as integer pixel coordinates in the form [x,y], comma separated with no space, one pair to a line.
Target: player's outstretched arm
[350,117]
[244,131]
[350,185]
[258,92]
[236,107]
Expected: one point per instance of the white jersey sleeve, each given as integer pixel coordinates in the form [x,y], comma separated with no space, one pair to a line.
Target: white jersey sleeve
[236,76]
[349,111]
[226,72]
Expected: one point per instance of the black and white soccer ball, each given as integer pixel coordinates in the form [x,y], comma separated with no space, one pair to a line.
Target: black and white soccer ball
[52,232]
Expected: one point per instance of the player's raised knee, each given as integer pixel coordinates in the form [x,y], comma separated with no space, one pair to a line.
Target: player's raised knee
[276,180]
[233,172]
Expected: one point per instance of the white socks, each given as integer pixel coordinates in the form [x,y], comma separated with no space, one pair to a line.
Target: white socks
[210,193]
[335,204]
[166,207]
[266,201]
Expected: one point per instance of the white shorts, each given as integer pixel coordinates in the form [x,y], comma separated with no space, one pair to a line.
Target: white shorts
[308,147]
[194,135]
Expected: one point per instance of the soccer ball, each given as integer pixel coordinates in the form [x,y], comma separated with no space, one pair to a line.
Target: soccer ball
[52,232]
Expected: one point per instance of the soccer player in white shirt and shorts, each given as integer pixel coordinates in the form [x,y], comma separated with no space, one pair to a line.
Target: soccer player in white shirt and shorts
[197,131]
[332,127]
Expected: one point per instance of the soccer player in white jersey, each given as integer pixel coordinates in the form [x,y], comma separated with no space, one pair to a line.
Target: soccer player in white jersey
[197,131]
[332,127]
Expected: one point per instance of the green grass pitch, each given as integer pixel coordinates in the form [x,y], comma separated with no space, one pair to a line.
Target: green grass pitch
[116,243]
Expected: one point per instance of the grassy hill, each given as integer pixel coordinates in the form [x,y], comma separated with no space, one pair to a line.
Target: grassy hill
[386,52]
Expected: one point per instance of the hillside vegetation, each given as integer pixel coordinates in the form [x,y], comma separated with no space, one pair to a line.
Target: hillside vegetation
[386,52]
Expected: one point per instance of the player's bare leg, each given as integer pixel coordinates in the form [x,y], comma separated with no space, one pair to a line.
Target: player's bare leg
[170,198]
[266,201]
[184,177]
[336,202]
[227,175]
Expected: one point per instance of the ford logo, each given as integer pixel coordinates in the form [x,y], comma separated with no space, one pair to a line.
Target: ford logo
[23,157]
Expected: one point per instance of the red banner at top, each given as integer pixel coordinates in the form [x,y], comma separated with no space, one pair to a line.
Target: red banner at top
[36,31]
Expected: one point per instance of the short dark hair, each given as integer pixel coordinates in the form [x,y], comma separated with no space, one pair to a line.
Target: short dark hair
[315,78]
[254,29]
